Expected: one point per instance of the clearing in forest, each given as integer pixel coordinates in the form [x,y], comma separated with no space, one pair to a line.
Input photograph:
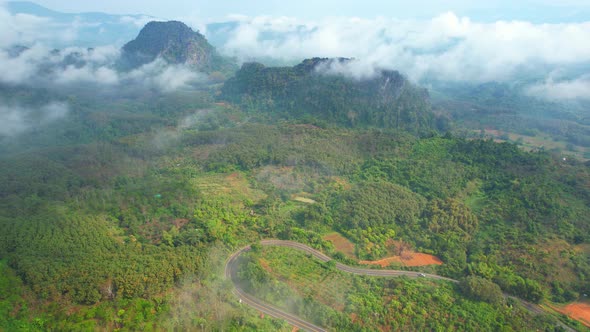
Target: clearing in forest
[406,258]
[302,199]
[579,311]
[234,185]
[413,259]
[341,244]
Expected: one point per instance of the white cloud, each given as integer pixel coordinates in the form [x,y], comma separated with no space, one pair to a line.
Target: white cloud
[25,29]
[16,119]
[87,74]
[562,90]
[16,70]
[41,66]
[165,77]
[138,21]
[20,28]
[446,47]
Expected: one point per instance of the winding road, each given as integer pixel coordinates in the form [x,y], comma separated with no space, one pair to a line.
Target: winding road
[230,273]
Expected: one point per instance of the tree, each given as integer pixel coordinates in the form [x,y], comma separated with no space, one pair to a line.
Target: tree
[481,289]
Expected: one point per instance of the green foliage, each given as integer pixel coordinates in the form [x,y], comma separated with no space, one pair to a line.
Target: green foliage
[71,256]
[121,217]
[372,212]
[451,216]
[13,307]
[428,169]
[482,289]
[221,220]
[340,301]
[303,92]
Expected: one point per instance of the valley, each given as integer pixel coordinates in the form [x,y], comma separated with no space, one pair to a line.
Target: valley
[166,184]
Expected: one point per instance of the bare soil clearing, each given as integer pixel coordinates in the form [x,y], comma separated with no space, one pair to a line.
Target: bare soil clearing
[414,259]
[578,310]
[406,258]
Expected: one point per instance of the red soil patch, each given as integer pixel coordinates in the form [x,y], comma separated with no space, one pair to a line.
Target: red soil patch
[579,311]
[341,244]
[415,259]
[405,257]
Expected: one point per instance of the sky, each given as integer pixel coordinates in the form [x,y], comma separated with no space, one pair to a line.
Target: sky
[427,42]
[540,46]
[537,11]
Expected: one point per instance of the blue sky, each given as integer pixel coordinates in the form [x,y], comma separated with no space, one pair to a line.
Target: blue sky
[537,11]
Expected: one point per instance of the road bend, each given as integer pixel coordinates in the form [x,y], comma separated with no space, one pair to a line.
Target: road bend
[231,274]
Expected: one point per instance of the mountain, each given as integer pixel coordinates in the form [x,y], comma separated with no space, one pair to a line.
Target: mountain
[311,89]
[176,43]
[84,29]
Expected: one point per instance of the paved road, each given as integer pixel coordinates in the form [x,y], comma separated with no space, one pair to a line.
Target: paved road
[230,273]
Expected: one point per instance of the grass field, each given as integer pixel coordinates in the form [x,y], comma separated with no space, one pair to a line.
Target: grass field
[341,244]
[234,185]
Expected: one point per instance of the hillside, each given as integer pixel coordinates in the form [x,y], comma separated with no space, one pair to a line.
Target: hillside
[387,100]
[135,206]
[175,43]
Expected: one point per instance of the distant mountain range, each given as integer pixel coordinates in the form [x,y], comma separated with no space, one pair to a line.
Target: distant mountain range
[91,29]
[96,29]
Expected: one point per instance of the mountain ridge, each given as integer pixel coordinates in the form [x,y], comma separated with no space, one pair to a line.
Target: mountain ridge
[176,43]
[314,88]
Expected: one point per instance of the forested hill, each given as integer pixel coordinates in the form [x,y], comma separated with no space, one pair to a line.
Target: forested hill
[313,90]
[176,43]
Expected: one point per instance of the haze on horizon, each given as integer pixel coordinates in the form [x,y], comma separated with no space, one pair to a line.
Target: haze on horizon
[456,41]
[536,11]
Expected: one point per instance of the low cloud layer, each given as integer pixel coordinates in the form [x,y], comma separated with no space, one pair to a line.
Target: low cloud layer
[41,66]
[15,119]
[163,76]
[26,29]
[446,47]
[578,89]
[19,24]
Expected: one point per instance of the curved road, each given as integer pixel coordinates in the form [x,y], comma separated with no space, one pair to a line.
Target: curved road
[230,273]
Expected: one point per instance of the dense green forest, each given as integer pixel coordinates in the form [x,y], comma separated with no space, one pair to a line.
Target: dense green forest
[122,215]
[310,90]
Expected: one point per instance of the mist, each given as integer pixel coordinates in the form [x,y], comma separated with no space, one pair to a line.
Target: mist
[578,89]
[445,48]
[16,119]
[44,67]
